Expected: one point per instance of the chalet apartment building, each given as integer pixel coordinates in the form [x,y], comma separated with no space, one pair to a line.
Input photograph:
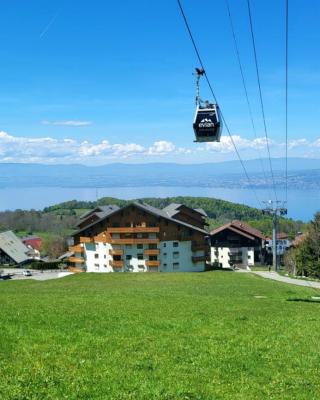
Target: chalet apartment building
[236,244]
[141,238]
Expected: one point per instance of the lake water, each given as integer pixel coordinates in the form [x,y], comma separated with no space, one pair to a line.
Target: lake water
[302,204]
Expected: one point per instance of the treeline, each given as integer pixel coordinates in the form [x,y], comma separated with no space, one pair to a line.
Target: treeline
[304,259]
[35,221]
[219,211]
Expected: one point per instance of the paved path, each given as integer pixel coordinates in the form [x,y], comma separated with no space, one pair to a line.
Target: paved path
[285,279]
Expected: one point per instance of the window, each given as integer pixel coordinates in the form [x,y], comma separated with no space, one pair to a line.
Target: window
[164,265]
[152,246]
[139,246]
[175,244]
[116,225]
[249,257]
[104,256]
[140,266]
[105,266]
[153,258]
[116,258]
[175,254]
[164,244]
[128,246]
[140,256]
[96,266]
[96,255]
[176,265]
[128,257]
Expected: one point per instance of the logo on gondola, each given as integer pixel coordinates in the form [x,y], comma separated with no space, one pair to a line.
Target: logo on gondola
[206,123]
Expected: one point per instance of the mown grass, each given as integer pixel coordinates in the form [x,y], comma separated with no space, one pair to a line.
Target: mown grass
[158,336]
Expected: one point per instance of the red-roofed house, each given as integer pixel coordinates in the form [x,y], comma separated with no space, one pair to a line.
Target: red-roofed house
[236,244]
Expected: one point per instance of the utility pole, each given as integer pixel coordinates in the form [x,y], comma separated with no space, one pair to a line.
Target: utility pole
[275,208]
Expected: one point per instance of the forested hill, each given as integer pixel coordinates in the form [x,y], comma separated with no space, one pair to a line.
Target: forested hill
[219,211]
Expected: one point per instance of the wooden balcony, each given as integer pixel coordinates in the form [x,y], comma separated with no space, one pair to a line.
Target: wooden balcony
[77,249]
[116,264]
[116,252]
[135,229]
[84,239]
[75,270]
[152,252]
[155,263]
[134,241]
[76,260]
[199,259]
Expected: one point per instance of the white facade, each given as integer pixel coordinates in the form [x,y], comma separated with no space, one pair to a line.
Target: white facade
[173,256]
[282,245]
[229,257]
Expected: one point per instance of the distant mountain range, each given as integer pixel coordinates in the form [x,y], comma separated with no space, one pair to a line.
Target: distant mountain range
[303,173]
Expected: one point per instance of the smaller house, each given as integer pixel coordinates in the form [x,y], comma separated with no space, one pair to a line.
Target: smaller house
[236,244]
[12,250]
[283,243]
[32,241]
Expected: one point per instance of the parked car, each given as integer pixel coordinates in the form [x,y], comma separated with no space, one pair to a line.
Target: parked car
[27,273]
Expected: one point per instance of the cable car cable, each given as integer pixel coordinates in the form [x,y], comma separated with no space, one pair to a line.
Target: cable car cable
[215,98]
[236,48]
[260,95]
[286,94]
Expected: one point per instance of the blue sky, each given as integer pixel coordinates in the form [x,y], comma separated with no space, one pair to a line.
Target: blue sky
[97,81]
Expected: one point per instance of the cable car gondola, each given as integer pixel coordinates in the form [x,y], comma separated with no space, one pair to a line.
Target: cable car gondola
[207,124]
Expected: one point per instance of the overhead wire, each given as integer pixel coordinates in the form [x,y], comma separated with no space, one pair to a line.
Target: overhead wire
[286,94]
[215,99]
[260,96]
[237,51]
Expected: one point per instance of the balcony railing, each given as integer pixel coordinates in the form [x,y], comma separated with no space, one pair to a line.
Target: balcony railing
[76,260]
[116,263]
[134,241]
[135,229]
[152,252]
[116,252]
[154,263]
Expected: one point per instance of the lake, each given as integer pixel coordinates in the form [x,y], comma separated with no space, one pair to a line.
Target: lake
[302,204]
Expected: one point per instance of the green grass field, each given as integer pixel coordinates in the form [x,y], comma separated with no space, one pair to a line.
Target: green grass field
[158,336]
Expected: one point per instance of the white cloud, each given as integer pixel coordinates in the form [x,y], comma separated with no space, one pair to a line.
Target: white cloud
[71,123]
[51,150]
[161,147]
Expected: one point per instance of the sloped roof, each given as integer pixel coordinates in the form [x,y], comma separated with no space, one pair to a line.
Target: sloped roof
[100,209]
[150,209]
[13,247]
[100,212]
[240,228]
[173,209]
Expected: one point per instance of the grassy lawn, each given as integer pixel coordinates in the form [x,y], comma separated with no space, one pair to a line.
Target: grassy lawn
[158,336]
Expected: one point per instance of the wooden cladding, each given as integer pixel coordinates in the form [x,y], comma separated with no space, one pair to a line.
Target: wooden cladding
[198,247]
[84,239]
[77,249]
[152,252]
[135,229]
[76,260]
[116,264]
[155,263]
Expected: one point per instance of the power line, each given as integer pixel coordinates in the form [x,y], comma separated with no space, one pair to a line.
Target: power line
[260,95]
[215,98]
[236,48]
[286,95]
